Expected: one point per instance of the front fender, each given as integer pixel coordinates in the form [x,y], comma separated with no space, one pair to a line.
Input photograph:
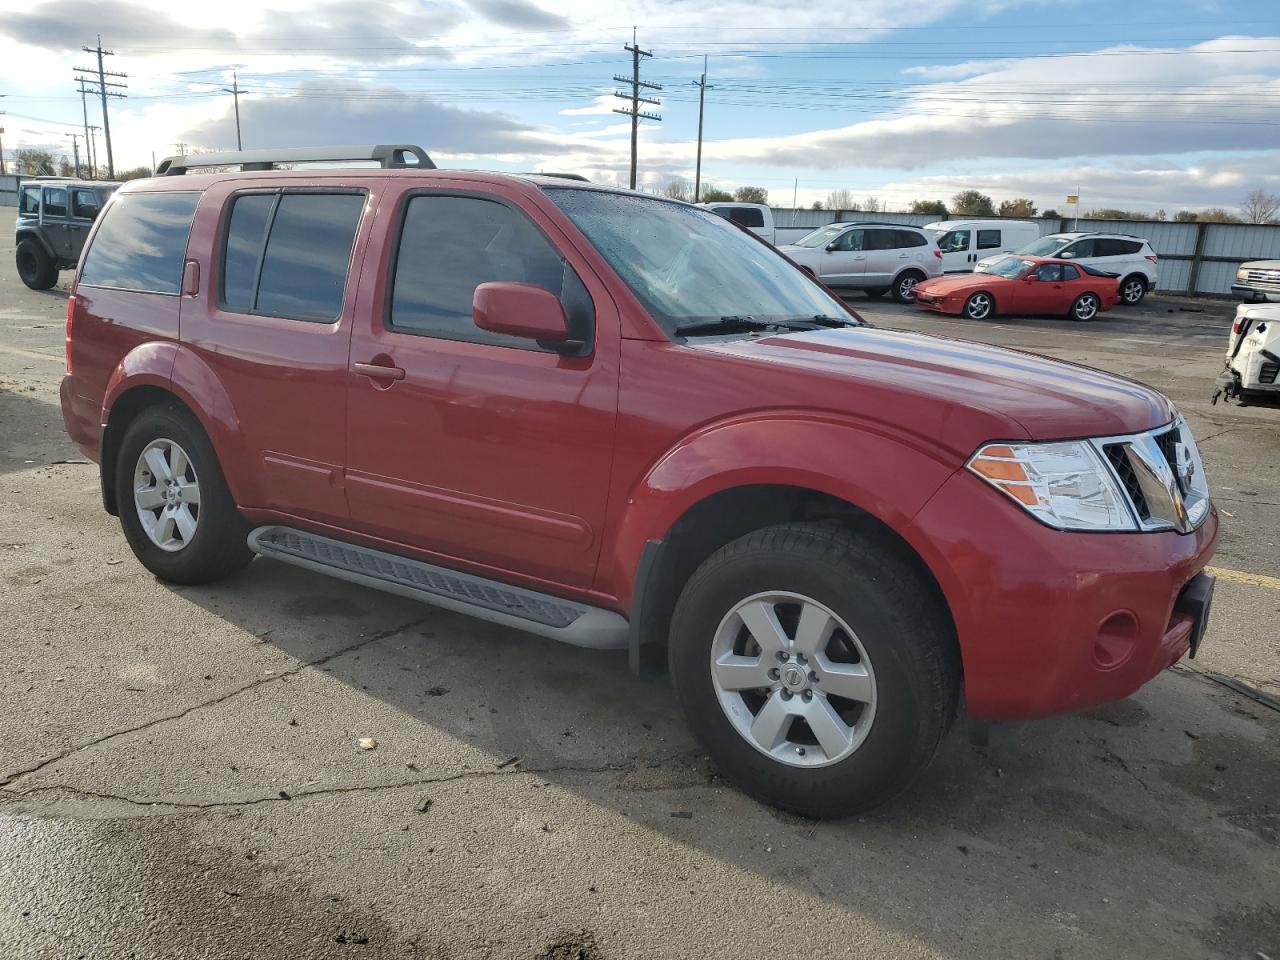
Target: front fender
[38,237]
[888,476]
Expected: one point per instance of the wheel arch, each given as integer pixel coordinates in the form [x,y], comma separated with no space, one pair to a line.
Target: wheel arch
[29,234]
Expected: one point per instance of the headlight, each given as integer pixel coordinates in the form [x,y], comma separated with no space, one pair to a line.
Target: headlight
[1063,484]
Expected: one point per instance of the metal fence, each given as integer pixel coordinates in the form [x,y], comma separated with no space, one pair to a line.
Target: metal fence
[9,190]
[1195,258]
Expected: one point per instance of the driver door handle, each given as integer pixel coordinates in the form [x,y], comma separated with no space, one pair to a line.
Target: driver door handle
[376,371]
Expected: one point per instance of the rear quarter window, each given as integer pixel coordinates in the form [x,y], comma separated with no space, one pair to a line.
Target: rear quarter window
[141,243]
[909,238]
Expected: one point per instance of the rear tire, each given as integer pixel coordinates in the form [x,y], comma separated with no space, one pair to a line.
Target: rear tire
[980,306]
[1133,289]
[174,505]
[888,645]
[35,266]
[904,288]
[1085,307]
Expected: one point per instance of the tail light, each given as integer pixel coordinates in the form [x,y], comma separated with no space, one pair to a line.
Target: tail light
[1238,325]
[71,315]
[1152,257]
[937,253]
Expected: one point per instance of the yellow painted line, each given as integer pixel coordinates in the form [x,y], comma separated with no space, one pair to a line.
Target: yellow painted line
[29,355]
[1238,576]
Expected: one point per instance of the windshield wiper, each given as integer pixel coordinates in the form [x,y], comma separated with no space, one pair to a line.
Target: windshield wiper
[822,320]
[724,325]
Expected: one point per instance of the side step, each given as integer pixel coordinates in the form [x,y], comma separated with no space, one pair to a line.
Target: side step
[540,613]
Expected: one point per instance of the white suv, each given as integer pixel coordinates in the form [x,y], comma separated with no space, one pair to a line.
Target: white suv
[875,257]
[1130,258]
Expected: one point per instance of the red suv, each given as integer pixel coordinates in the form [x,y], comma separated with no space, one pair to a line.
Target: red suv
[623,422]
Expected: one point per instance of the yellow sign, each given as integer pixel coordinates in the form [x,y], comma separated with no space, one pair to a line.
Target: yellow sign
[1072,198]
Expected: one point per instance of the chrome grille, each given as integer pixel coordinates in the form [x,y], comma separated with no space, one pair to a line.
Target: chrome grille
[1264,277]
[1161,474]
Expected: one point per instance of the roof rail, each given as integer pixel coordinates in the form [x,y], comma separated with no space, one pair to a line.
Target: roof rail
[385,155]
[559,176]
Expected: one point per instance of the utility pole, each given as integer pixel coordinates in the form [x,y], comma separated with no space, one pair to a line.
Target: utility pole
[235,92]
[2,141]
[93,153]
[104,93]
[634,111]
[181,147]
[84,110]
[703,87]
[75,149]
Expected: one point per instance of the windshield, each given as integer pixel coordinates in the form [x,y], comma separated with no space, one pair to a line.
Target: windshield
[687,265]
[1007,267]
[820,237]
[1044,247]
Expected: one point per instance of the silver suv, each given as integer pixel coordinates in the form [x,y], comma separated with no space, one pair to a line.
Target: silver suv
[54,217]
[875,257]
[1130,258]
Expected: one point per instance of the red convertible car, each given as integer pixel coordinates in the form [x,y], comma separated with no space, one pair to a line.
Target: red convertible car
[1022,285]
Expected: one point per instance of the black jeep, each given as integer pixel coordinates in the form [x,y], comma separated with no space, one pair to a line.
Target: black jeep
[54,217]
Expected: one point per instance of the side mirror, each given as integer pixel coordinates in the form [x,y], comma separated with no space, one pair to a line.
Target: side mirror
[1032,276]
[523,310]
[1066,256]
[831,247]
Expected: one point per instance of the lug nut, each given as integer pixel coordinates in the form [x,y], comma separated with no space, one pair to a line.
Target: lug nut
[773,673]
[800,658]
[808,695]
[800,751]
[782,656]
[786,694]
[813,677]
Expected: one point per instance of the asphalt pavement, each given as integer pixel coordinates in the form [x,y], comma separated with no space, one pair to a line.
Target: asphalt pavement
[181,774]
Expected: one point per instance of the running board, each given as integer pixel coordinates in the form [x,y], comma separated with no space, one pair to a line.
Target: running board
[528,610]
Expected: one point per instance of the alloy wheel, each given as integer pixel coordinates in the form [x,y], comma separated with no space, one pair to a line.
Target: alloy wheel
[166,494]
[793,679]
[1133,291]
[978,307]
[1086,308]
[907,287]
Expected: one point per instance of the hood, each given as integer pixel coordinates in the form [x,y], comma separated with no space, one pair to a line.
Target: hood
[970,391]
[805,255]
[955,283]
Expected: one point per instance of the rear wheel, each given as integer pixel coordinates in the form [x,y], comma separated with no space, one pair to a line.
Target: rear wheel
[1085,307]
[35,266]
[1132,289]
[904,288]
[174,505]
[980,306]
[810,669]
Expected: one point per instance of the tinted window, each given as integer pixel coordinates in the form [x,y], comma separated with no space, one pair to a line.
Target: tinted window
[84,204]
[909,238]
[747,216]
[1069,272]
[304,268]
[881,240]
[1081,248]
[30,201]
[1050,271]
[55,202]
[1109,247]
[988,239]
[246,235]
[851,240]
[954,241]
[141,242]
[451,245]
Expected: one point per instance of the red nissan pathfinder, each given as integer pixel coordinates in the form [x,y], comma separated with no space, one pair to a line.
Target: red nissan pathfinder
[623,422]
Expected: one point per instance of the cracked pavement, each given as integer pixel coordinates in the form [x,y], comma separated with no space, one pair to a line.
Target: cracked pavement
[181,774]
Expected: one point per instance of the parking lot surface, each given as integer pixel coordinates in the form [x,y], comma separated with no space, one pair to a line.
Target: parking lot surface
[180,772]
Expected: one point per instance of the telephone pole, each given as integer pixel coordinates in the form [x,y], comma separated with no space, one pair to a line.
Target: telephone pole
[703,87]
[92,149]
[103,92]
[634,111]
[75,149]
[84,110]
[235,92]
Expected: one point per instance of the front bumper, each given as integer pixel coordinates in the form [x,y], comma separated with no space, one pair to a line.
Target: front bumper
[1254,294]
[1048,620]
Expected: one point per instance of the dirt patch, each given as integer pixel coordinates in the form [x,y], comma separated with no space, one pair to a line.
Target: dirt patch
[1240,777]
[1250,932]
[579,945]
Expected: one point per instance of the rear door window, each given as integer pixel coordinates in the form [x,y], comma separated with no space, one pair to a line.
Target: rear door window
[881,240]
[55,201]
[288,254]
[84,204]
[747,216]
[988,239]
[141,243]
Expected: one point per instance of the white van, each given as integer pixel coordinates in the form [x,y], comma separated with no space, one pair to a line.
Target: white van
[964,242]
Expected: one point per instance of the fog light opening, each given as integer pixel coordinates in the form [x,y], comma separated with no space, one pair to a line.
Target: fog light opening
[1117,637]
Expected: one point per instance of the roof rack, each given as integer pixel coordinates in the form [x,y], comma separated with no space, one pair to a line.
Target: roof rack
[559,176]
[385,155]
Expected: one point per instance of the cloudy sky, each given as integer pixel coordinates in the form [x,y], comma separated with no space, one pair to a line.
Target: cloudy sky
[1140,109]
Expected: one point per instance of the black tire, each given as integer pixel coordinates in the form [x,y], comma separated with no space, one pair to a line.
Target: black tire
[1085,307]
[980,306]
[1133,289]
[218,546]
[875,293]
[904,287]
[907,636]
[35,266]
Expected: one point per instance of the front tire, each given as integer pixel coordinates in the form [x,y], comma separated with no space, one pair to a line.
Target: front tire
[814,667]
[1133,289]
[35,266]
[980,306]
[875,293]
[1085,307]
[904,288]
[173,502]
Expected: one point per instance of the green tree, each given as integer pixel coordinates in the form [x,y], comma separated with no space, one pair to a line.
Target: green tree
[137,173]
[1021,207]
[934,208]
[751,195]
[971,203]
[35,163]
[712,195]
[817,205]
[1051,214]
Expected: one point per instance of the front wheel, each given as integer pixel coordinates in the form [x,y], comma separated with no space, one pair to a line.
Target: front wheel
[904,288]
[811,670]
[1085,307]
[35,267]
[875,293]
[979,306]
[1132,290]
[174,505]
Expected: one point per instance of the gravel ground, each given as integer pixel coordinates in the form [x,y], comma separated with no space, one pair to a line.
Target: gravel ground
[180,775]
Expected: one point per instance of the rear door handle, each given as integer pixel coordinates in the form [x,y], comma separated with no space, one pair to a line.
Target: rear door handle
[377,371]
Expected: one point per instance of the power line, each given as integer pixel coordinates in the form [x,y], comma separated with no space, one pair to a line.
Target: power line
[634,111]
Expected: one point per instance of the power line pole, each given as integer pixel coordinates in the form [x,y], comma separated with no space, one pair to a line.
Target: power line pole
[235,92]
[75,149]
[84,109]
[181,147]
[2,141]
[104,93]
[703,87]
[634,111]
[93,153]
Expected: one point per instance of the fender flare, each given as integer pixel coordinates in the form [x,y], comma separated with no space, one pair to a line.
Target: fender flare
[38,237]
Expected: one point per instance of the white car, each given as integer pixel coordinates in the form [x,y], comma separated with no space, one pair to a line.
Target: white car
[875,257]
[964,242]
[1130,258]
